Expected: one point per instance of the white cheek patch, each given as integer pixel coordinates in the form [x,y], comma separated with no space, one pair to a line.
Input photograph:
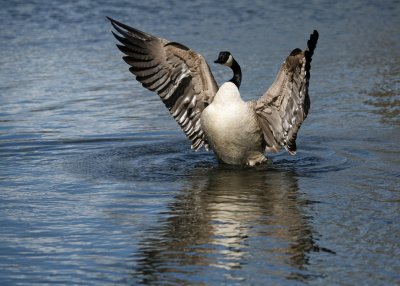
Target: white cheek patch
[229,61]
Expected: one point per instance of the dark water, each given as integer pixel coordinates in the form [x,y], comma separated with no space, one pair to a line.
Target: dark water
[98,186]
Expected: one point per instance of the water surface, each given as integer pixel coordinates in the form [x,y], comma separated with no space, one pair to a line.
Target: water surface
[98,186]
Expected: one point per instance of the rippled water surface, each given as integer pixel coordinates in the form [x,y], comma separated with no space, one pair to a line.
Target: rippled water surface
[98,186]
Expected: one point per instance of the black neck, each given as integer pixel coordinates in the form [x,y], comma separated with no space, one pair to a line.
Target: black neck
[237,73]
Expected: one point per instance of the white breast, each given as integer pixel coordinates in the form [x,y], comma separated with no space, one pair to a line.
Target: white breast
[224,113]
[228,95]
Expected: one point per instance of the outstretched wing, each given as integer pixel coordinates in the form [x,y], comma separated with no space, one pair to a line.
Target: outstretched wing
[180,76]
[284,106]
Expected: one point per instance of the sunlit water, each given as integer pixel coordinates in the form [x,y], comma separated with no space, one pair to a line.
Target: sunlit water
[98,186]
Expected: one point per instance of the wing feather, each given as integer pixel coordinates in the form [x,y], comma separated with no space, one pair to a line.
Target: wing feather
[180,76]
[284,106]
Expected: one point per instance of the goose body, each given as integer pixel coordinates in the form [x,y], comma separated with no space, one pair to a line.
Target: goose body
[231,128]
[238,132]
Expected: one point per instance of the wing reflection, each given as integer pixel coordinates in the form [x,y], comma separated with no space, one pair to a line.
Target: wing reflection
[230,219]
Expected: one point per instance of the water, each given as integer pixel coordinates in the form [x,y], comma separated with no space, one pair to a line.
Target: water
[99,186]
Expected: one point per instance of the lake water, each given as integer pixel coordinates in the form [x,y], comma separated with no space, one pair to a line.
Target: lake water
[98,186]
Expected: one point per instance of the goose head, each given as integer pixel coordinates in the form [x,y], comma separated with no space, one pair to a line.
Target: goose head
[225,58]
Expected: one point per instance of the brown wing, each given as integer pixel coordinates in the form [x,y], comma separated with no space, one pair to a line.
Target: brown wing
[180,76]
[284,106]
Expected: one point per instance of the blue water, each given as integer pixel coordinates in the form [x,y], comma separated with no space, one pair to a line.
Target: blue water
[98,186]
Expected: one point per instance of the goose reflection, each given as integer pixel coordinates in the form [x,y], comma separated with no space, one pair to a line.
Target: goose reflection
[230,219]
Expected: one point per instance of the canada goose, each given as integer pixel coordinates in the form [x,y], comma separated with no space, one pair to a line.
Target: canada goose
[238,132]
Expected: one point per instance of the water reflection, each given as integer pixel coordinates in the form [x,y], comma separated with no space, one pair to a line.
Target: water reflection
[384,98]
[387,105]
[228,219]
